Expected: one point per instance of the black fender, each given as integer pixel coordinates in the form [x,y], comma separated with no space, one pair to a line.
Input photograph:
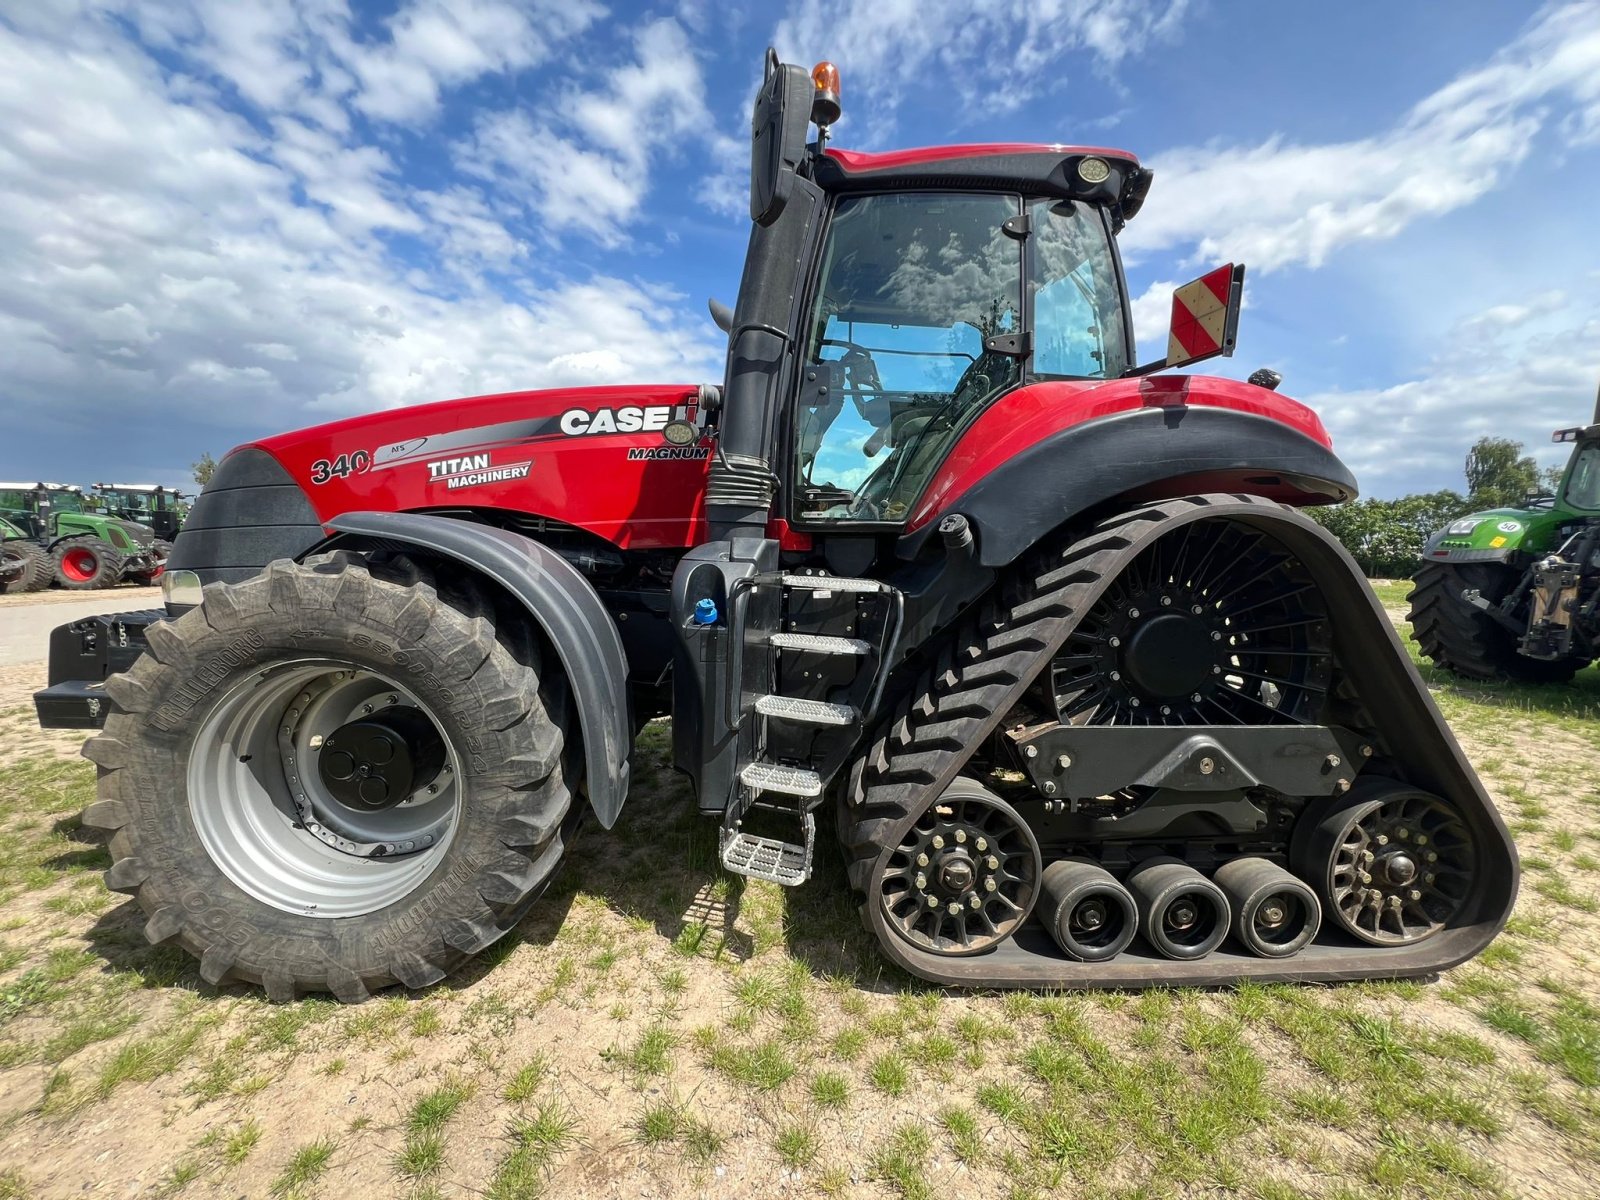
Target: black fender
[1148,453]
[559,598]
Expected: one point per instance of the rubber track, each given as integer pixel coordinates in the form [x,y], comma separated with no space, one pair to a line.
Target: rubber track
[1462,640]
[983,670]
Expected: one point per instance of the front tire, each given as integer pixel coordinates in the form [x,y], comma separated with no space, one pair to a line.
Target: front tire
[272,870]
[86,563]
[1466,642]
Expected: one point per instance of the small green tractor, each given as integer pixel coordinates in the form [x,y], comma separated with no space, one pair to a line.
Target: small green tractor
[87,550]
[1514,593]
[24,565]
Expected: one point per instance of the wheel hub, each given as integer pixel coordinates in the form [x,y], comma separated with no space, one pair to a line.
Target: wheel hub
[1089,916]
[1170,655]
[1182,916]
[375,763]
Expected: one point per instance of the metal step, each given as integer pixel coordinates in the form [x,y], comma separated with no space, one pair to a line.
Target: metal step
[771,777]
[806,712]
[832,583]
[768,858]
[819,643]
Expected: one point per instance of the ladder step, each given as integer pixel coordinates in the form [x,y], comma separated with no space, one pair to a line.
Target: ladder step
[832,583]
[767,858]
[820,643]
[771,777]
[807,712]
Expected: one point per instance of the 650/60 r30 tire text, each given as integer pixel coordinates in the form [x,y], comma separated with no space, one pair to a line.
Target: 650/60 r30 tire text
[332,777]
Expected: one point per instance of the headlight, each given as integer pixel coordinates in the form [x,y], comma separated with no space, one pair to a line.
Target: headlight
[1464,526]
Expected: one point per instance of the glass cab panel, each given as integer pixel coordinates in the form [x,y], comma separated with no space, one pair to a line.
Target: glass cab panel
[908,335]
[1583,482]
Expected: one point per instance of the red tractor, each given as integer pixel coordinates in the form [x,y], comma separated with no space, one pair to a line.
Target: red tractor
[1089,702]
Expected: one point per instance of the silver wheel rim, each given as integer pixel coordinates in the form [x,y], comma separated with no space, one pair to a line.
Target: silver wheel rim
[272,826]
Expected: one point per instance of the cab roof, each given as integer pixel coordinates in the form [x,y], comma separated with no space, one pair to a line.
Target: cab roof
[1057,170]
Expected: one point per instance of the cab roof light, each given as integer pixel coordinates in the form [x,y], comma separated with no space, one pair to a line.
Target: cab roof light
[825,104]
[1565,435]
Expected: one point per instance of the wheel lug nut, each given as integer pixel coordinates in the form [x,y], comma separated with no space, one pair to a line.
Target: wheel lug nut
[938,841]
[1414,895]
[955,907]
[975,903]
[1216,635]
[982,844]
[1133,614]
[1402,834]
[1033,751]
[1116,677]
[992,863]
[1382,839]
[1422,839]
[961,835]
[989,884]
[1394,901]
[1196,609]
[1429,877]
[1114,642]
[922,860]
[1216,670]
[922,881]
[1367,856]
[1166,601]
[1364,876]
[1432,857]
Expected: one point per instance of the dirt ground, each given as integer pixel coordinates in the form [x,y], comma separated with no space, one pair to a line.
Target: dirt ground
[66,596]
[656,1028]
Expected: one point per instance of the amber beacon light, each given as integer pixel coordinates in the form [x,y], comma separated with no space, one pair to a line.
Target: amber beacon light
[825,105]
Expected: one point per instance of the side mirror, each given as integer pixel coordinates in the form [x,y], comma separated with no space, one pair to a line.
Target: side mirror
[721,314]
[1205,319]
[778,137]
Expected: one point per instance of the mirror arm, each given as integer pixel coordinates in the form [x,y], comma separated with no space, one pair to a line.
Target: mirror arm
[1148,369]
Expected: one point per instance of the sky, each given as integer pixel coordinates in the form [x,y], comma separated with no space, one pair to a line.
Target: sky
[221,220]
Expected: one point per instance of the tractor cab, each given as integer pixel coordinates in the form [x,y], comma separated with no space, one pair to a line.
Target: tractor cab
[1580,486]
[151,504]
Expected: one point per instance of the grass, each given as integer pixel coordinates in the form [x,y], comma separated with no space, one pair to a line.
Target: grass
[655,1025]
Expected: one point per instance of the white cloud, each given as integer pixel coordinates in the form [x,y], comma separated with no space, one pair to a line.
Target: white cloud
[999,53]
[1280,203]
[167,264]
[589,170]
[1514,370]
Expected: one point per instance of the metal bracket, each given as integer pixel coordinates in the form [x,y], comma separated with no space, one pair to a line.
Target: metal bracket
[1080,762]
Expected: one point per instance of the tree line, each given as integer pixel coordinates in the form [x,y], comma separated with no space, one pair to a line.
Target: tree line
[1386,536]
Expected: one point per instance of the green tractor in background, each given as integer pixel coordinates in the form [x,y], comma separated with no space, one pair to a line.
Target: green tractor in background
[87,549]
[1514,593]
[163,509]
[24,565]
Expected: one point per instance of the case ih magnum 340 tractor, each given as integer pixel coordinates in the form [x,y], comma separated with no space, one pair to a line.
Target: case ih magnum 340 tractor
[1089,702]
[1515,592]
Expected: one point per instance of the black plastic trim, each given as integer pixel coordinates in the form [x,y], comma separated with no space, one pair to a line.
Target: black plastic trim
[251,513]
[1086,465]
[566,607]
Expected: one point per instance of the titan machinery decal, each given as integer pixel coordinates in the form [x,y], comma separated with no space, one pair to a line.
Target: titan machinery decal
[473,470]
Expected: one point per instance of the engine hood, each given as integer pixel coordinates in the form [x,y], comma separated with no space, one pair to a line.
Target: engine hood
[625,463]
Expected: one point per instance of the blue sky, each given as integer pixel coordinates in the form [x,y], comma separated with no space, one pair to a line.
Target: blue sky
[219,220]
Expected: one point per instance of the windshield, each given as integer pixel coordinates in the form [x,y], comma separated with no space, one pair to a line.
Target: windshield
[65,502]
[908,339]
[1583,485]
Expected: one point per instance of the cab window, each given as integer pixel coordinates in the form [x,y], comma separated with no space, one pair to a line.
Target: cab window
[1583,485]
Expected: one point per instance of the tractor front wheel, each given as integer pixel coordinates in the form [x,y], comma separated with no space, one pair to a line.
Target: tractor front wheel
[84,564]
[1465,641]
[36,571]
[332,778]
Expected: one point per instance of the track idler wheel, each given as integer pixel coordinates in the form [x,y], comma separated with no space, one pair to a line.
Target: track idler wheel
[1182,914]
[1394,863]
[1274,914]
[1091,915]
[965,876]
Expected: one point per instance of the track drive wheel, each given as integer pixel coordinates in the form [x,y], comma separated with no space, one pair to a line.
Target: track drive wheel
[964,877]
[36,572]
[1394,863]
[333,777]
[86,563]
[1466,642]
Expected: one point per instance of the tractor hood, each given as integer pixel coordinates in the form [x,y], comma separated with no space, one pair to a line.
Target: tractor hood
[625,463]
[1494,535]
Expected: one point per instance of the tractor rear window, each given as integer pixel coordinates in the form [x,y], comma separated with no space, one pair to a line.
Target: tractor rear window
[1583,488]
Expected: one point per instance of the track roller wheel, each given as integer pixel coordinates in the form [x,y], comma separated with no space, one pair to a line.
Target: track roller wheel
[1182,914]
[1274,914]
[965,876]
[1091,915]
[1394,863]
